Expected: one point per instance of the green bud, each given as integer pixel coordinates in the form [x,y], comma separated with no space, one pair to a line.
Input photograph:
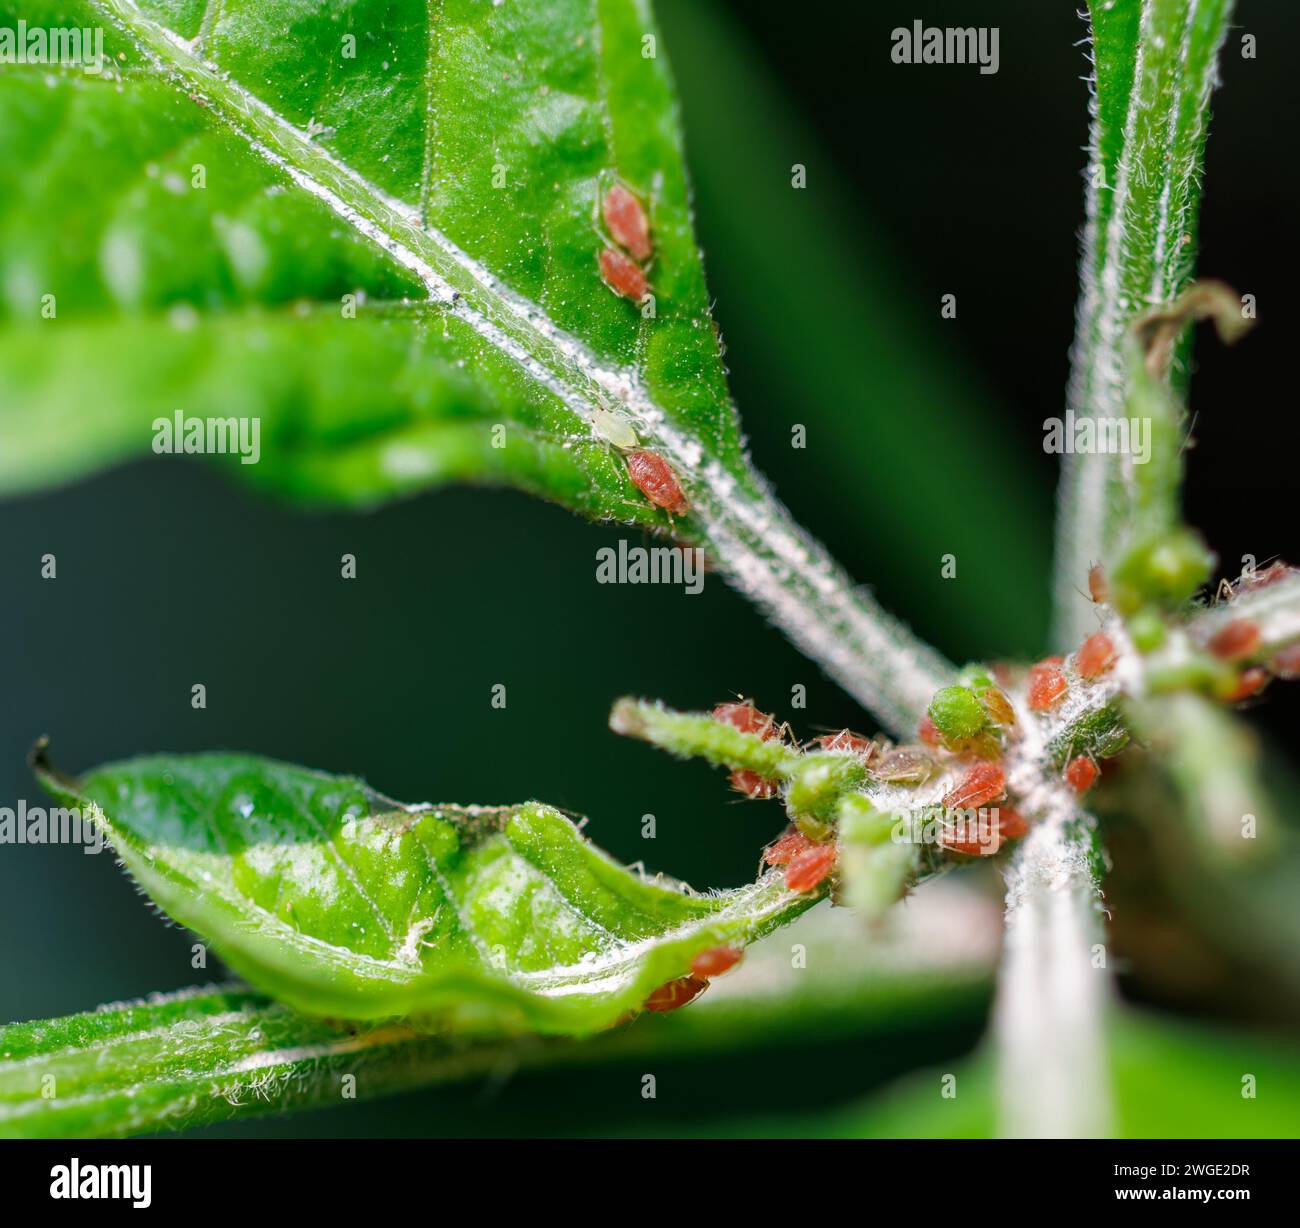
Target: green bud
[1199,673]
[860,822]
[817,783]
[815,829]
[977,678]
[957,713]
[1147,630]
[874,871]
[1164,571]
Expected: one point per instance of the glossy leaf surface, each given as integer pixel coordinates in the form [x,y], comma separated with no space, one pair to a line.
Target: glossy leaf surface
[343,903]
[374,226]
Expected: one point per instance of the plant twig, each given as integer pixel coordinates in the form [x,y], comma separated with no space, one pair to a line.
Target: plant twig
[1155,66]
[180,1060]
[1052,995]
[1274,609]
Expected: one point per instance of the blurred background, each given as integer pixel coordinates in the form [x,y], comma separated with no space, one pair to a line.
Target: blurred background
[924,438]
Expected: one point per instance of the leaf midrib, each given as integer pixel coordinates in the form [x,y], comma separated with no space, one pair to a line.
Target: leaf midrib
[769,558]
[454,281]
[757,903]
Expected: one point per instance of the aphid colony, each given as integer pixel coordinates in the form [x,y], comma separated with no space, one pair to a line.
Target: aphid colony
[626,221]
[973,722]
[962,721]
[1232,669]
[967,726]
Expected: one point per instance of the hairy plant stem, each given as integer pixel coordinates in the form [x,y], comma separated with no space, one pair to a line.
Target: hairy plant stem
[1052,997]
[1155,66]
[764,553]
[1274,609]
[1049,1034]
[180,1060]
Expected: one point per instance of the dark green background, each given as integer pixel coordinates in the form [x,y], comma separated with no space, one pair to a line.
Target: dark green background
[921,182]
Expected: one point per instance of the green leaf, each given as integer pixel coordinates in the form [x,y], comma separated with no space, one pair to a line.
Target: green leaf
[341,902]
[377,152]
[185,1059]
[226,204]
[1155,63]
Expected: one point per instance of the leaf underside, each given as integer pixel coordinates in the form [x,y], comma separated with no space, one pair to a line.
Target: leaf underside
[343,903]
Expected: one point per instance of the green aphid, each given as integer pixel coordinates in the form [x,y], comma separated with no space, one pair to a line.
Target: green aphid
[957,713]
[1100,735]
[1147,630]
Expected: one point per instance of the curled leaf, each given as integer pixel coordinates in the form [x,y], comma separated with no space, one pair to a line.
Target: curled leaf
[343,903]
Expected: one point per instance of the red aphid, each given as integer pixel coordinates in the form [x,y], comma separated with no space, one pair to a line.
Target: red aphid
[623,275]
[928,732]
[847,740]
[752,785]
[1287,662]
[1011,823]
[627,221]
[1250,682]
[676,994]
[1098,589]
[970,844]
[1081,773]
[787,848]
[1270,575]
[1047,684]
[747,718]
[1236,640]
[654,478]
[1096,655]
[715,961]
[809,869]
[985,782]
